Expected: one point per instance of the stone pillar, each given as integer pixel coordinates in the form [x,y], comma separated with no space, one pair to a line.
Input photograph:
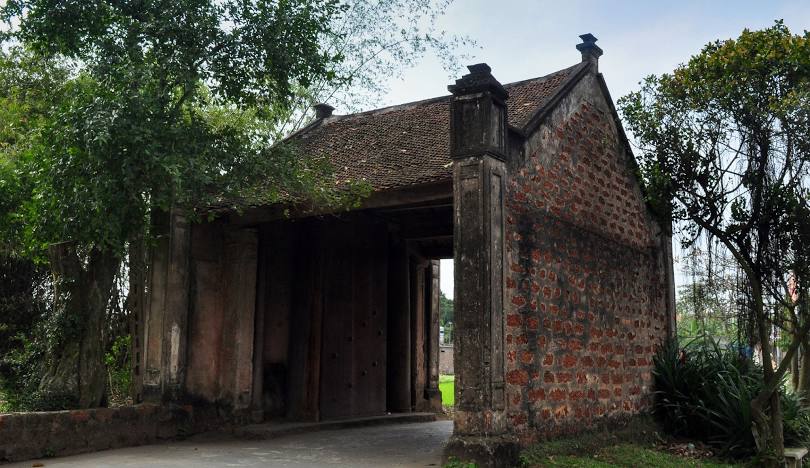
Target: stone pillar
[479,148]
[590,51]
[166,312]
[418,350]
[432,394]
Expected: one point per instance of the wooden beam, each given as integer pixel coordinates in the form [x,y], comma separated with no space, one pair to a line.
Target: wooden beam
[437,251]
[411,195]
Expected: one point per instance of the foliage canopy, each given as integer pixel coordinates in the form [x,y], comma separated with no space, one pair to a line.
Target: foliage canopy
[111,111]
[725,147]
[152,104]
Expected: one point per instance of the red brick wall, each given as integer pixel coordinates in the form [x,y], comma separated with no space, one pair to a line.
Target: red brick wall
[585,297]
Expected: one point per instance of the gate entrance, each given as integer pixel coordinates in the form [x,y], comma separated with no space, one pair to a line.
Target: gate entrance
[348,313]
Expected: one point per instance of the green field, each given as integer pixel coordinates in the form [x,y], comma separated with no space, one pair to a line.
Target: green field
[447,385]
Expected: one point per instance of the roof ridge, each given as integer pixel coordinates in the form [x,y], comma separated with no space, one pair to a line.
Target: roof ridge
[388,108]
[432,100]
[544,77]
[575,73]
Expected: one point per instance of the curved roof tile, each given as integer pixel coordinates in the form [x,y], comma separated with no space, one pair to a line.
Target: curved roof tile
[409,144]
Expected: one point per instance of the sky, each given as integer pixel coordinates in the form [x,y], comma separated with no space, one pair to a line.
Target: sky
[526,39]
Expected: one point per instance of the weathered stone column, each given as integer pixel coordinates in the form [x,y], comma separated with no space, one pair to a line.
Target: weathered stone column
[479,147]
[166,311]
[432,394]
[418,350]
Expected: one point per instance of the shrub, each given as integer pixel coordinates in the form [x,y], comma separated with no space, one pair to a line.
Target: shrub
[24,293]
[119,371]
[796,420]
[708,397]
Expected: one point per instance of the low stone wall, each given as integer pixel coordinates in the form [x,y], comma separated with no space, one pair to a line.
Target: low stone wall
[25,436]
[446,360]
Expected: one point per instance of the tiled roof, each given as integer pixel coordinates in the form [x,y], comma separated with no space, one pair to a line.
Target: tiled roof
[527,97]
[409,144]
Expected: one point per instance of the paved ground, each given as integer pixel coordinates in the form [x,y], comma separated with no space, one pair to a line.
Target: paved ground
[401,445]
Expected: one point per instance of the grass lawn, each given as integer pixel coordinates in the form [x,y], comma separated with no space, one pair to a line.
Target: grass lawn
[447,385]
[636,445]
[623,455]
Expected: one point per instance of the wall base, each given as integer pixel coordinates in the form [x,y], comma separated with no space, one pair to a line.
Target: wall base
[485,451]
[434,398]
[24,436]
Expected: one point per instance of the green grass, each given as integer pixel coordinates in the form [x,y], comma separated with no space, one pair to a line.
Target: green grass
[447,385]
[623,455]
[608,447]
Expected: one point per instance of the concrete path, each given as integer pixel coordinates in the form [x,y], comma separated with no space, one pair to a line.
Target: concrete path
[400,445]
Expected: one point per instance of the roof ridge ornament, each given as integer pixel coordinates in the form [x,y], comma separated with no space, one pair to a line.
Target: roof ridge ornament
[590,51]
[323,110]
[479,80]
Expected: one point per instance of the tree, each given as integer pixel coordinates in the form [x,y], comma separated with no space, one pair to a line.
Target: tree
[377,40]
[445,309]
[725,143]
[701,313]
[142,106]
[179,105]
[707,303]
[446,316]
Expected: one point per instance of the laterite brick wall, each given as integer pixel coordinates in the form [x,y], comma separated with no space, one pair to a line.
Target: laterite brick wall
[585,283]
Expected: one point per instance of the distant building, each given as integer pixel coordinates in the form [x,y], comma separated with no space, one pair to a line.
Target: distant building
[446,359]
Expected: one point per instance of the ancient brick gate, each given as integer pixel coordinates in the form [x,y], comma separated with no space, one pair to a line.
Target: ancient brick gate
[563,278]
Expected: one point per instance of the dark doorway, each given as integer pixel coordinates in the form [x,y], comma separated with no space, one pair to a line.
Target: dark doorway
[348,313]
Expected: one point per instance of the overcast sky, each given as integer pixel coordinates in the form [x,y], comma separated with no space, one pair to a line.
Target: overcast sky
[525,39]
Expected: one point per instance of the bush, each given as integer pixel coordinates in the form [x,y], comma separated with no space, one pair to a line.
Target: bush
[119,371]
[708,397]
[796,420]
[20,375]
[24,290]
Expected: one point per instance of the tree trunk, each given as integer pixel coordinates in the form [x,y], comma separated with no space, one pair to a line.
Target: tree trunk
[768,426]
[794,372]
[77,374]
[803,387]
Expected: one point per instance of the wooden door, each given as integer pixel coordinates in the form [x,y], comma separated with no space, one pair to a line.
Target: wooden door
[353,358]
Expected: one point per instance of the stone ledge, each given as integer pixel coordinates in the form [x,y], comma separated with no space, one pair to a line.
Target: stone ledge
[501,451]
[25,436]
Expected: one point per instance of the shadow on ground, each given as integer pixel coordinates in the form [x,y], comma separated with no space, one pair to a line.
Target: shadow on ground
[400,445]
